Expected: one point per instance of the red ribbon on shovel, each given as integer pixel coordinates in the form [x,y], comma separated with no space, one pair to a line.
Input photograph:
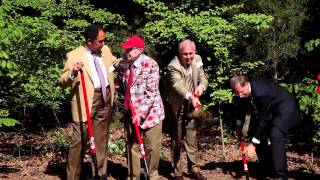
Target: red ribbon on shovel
[139,139]
[89,121]
[244,160]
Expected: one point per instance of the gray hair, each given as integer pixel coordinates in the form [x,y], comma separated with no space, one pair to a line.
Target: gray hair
[186,42]
[242,79]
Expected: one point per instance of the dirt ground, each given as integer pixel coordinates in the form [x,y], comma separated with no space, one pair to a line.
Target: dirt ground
[30,156]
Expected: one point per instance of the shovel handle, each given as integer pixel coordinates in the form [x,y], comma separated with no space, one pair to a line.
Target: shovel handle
[89,121]
[138,133]
[244,159]
[139,140]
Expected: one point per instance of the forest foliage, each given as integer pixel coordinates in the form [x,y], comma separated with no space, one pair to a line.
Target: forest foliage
[263,38]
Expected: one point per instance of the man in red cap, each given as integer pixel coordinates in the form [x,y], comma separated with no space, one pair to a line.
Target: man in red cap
[140,77]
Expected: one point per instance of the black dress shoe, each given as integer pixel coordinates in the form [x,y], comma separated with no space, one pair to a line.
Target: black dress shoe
[280,178]
[178,178]
[197,176]
[104,177]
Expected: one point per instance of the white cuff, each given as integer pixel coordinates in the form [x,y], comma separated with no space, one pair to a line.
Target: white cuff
[238,122]
[188,95]
[255,141]
[71,76]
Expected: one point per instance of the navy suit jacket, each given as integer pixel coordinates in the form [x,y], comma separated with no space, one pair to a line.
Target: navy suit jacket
[275,105]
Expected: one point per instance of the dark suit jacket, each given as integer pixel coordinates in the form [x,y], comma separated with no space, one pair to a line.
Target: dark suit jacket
[276,106]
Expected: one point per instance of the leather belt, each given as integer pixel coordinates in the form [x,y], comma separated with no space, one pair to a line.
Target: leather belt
[99,90]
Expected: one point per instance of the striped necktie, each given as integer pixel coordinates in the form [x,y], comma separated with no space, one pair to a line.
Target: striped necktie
[190,83]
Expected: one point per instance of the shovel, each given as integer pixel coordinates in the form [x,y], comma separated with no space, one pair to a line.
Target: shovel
[139,139]
[244,160]
[89,121]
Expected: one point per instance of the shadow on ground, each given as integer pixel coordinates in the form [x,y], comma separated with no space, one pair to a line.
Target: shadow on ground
[57,168]
[235,170]
[8,169]
[116,170]
[302,174]
[165,169]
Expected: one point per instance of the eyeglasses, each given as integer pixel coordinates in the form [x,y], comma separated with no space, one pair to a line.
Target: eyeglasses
[131,49]
[101,41]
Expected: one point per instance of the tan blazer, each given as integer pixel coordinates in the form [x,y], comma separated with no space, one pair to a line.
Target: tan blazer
[176,81]
[77,100]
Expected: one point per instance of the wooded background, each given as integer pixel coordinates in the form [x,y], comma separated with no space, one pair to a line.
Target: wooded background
[263,38]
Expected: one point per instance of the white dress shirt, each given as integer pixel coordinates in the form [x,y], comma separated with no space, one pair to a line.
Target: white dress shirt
[95,77]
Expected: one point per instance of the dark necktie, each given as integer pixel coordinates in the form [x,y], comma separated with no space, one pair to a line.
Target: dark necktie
[101,78]
[127,97]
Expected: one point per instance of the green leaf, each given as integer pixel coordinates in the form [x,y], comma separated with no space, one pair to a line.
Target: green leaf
[8,122]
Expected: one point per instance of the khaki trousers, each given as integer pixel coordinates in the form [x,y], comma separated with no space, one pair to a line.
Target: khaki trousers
[184,128]
[101,117]
[152,142]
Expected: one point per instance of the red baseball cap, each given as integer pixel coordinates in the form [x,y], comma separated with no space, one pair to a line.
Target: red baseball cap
[133,41]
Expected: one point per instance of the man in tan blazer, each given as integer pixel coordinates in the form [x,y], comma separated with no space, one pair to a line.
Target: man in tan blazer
[186,80]
[95,59]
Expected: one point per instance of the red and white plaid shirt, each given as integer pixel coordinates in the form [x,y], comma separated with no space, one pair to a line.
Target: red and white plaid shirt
[145,94]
